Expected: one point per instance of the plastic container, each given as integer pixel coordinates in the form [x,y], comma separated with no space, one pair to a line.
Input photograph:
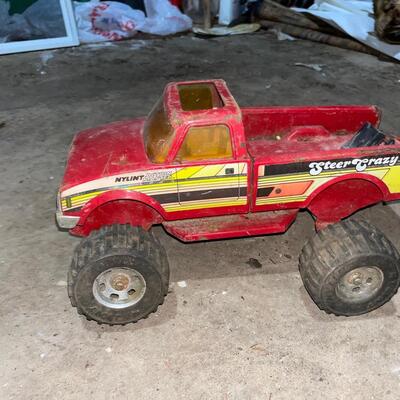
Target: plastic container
[228,11]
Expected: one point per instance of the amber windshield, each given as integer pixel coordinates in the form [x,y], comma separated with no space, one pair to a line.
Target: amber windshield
[158,134]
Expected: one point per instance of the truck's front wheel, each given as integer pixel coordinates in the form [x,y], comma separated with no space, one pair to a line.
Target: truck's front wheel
[350,268]
[119,274]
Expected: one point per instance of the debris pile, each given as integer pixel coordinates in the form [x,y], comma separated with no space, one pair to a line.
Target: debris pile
[341,23]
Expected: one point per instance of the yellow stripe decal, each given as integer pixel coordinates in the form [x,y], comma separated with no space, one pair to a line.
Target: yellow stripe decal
[186,173]
[209,204]
[211,170]
[195,178]
[379,172]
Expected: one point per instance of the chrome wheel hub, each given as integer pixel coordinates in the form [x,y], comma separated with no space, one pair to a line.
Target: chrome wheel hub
[119,287]
[360,284]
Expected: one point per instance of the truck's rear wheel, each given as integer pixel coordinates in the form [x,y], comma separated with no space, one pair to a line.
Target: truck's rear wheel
[350,268]
[119,274]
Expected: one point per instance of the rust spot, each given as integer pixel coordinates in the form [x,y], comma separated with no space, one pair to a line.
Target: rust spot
[120,282]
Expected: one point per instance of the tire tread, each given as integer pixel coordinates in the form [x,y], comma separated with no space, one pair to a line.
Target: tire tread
[113,238]
[341,241]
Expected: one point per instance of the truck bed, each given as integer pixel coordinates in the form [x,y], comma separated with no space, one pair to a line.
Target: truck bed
[277,131]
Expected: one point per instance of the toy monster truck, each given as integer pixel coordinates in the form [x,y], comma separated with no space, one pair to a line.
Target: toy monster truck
[206,169]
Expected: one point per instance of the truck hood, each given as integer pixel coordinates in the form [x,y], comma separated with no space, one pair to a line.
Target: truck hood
[107,150]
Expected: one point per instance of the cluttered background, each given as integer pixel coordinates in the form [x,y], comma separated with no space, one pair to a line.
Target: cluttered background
[370,26]
[237,323]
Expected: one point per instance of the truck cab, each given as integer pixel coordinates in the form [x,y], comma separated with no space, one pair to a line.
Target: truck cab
[196,129]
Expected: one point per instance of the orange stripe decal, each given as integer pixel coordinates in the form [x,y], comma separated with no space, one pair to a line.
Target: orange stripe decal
[290,189]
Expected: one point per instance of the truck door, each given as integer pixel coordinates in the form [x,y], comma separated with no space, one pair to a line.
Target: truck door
[280,184]
[209,177]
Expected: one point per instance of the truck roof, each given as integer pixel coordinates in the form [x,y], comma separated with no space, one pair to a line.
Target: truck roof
[208,102]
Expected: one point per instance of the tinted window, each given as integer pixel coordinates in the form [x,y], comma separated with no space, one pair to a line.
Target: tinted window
[206,142]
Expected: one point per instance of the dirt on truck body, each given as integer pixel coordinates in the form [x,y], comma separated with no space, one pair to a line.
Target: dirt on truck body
[207,169]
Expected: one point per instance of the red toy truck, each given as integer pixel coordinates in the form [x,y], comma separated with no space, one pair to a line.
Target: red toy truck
[206,169]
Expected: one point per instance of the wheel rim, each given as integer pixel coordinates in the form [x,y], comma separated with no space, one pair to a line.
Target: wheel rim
[119,287]
[360,284]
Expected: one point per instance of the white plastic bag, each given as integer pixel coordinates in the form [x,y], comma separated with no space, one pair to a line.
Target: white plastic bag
[107,20]
[164,19]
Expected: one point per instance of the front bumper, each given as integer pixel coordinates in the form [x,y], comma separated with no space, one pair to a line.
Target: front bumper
[66,221]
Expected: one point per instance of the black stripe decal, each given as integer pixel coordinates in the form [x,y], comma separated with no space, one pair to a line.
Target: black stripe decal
[242,191]
[283,169]
[264,191]
[117,187]
[212,177]
[200,195]
[209,194]
[166,181]
[166,198]
[196,195]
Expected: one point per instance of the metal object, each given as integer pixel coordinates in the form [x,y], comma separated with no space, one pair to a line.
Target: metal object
[119,287]
[66,221]
[207,14]
[360,284]
[320,37]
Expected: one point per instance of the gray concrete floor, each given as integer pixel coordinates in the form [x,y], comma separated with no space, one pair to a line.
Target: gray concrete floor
[234,332]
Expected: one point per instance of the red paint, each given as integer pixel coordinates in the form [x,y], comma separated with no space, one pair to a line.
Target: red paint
[271,136]
[341,199]
[130,212]
[279,120]
[176,3]
[231,226]
[106,150]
